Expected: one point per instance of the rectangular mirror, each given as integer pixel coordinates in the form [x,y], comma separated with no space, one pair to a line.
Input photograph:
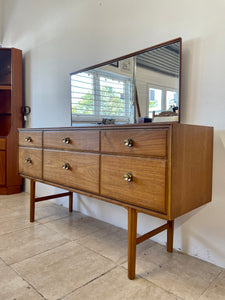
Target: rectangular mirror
[144,85]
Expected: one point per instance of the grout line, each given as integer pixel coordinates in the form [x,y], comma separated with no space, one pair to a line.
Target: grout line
[40,253]
[30,284]
[211,282]
[87,283]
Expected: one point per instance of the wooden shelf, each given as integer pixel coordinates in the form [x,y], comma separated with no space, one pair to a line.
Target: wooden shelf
[5,87]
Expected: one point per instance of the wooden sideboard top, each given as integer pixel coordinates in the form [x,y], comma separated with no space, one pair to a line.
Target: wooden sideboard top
[114,126]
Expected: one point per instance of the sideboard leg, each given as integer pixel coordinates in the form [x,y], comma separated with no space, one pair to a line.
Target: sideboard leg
[132,236]
[70,202]
[32,200]
[170,230]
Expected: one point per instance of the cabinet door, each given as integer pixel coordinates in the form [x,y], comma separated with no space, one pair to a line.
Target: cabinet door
[2,168]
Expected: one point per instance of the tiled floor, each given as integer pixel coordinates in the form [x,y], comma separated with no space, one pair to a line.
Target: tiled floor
[71,256]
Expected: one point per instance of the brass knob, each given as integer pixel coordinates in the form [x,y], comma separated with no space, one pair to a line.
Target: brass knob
[66,166]
[128,142]
[28,139]
[28,160]
[128,177]
[66,140]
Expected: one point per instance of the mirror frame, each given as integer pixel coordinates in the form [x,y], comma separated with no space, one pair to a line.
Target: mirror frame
[176,40]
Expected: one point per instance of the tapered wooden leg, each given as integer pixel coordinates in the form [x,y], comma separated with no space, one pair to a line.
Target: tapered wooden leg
[132,234]
[71,202]
[170,235]
[32,200]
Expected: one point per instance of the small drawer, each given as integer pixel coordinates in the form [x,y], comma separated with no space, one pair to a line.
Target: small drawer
[134,180]
[135,142]
[30,162]
[76,170]
[83,140]
[2,144]
[30,139]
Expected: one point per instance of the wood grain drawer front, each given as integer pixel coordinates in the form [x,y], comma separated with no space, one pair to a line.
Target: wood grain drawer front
[30,162]
[148,187]
[82,172]
[144,142]
[30,139]
[85,140]
[2,144]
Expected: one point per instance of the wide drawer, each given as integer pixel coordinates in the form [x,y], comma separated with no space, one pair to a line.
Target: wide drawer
[30,139]
[72,169]
[135,141]
[30,162]
[147,188]
[84,140]
[2,143]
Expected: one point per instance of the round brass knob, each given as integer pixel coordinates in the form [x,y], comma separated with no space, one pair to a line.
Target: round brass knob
[28,139]
[66,140]
[28,160]
[66,166]
[128,142]
[128,177]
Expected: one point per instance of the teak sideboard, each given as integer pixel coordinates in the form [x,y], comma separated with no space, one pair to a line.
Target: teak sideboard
[163,170]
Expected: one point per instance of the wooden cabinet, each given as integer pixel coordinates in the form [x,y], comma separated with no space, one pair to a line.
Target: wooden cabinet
[163,170]
[10,118]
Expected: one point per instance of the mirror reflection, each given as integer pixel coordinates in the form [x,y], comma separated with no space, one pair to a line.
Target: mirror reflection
[142,86]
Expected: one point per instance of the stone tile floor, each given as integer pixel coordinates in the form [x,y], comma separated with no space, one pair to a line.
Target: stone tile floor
[71,256]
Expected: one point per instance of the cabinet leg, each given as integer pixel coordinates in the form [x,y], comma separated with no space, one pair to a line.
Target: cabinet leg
[170,235]
[32,200]
[71,202]
[132,234]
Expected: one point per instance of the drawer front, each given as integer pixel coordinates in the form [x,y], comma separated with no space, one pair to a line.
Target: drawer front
[82,172]
[30,139]
[30,162]
[2,144]
[85,140]
[148,187]
[138,142]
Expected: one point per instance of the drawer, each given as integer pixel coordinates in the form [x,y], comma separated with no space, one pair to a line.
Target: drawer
[84,140]
[30,139]
[143,142]
[30,162]
[82,172]
[147,188]
[2,144]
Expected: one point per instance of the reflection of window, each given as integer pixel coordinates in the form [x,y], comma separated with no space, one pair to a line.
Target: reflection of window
[95,95]
[161,98]
[171,99]
[155,100]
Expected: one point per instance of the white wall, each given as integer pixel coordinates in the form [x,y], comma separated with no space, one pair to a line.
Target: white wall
[1,19]
[58,37]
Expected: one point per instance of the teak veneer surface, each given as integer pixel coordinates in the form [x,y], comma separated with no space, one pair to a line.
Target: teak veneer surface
[83,172]
[171,164]
[148,187]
